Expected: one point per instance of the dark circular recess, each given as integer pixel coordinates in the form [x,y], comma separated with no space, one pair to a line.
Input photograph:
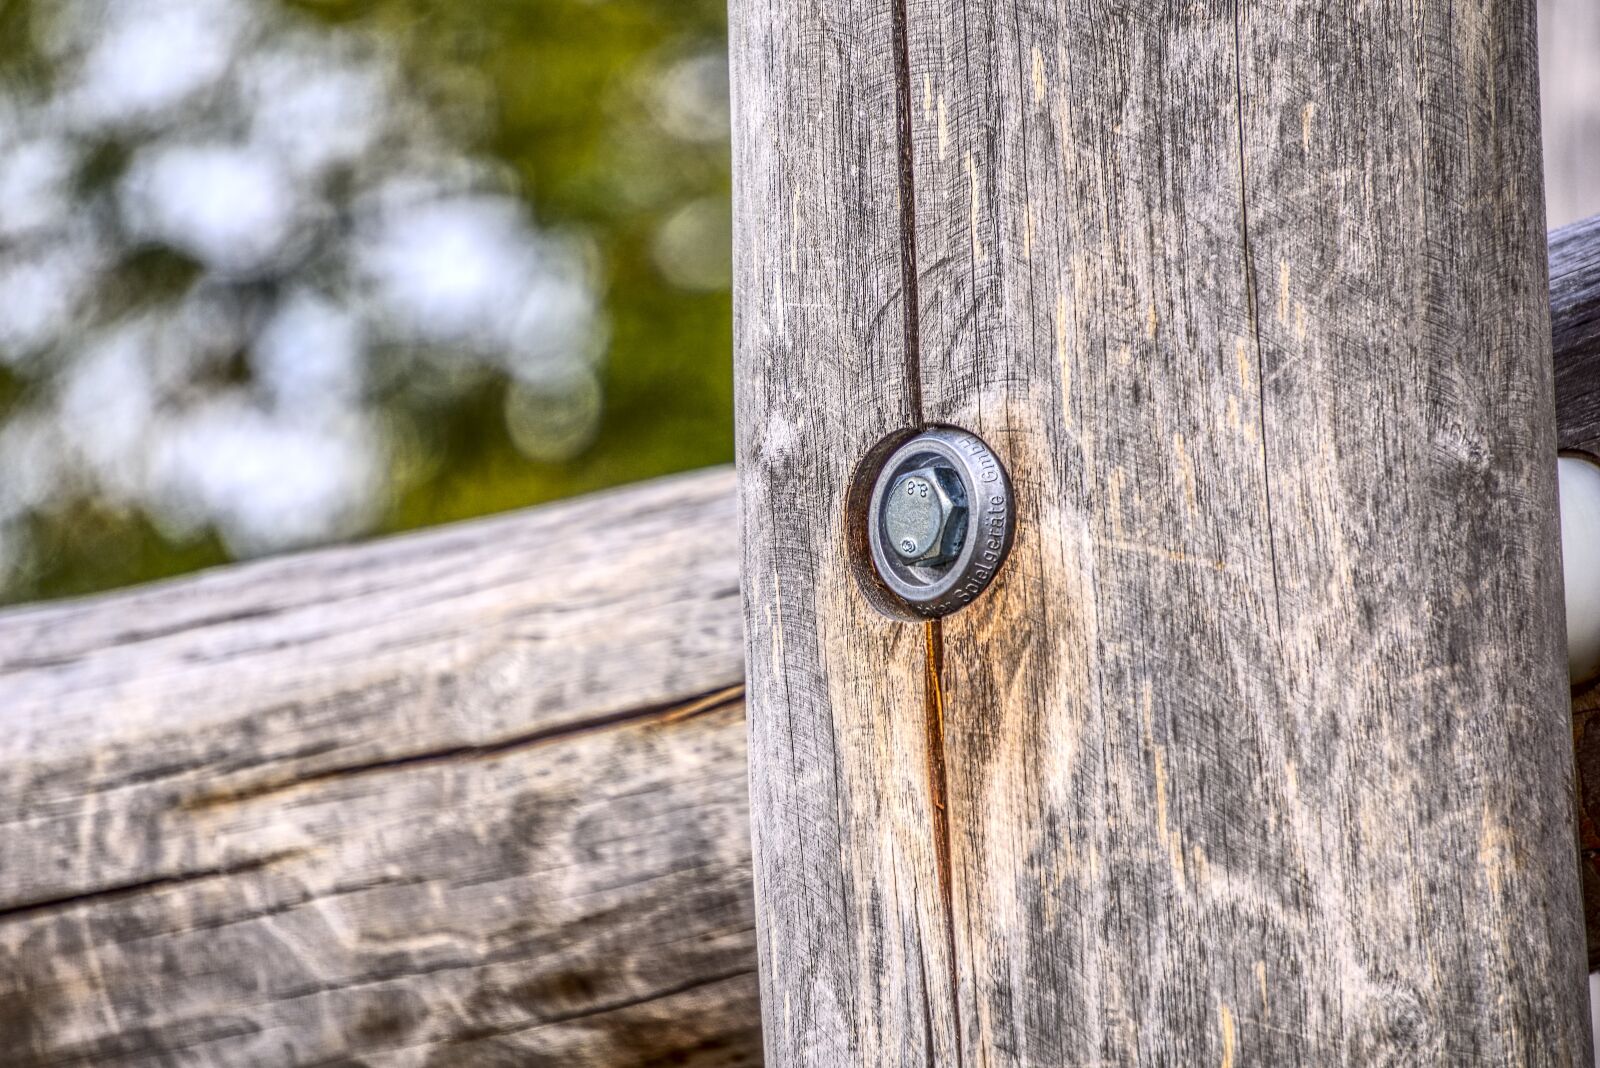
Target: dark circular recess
[937,590]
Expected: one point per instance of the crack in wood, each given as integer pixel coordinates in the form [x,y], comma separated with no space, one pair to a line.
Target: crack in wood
[933,645]
[939,795]
[482,1035]
[908,209]
[672,712]
[1253,310]
[63,902]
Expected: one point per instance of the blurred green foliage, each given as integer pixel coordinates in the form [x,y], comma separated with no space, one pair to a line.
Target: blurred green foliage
[562,93]
[570,112]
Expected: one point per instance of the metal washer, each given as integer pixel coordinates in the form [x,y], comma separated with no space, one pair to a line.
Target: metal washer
[991,522]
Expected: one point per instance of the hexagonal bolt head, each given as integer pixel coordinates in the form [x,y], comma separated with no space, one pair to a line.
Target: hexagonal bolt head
[925,516]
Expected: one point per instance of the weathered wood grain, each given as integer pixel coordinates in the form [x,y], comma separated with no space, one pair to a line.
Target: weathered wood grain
[473,797]
[1575,331]
[1257,752]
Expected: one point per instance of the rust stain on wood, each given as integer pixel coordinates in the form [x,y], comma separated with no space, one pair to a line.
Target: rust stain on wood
[939,794]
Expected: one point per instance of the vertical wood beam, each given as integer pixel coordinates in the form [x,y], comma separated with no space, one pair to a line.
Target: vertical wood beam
[1252,302]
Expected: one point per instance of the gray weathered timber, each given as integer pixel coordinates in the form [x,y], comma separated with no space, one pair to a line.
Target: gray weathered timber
[471,797]
[1257,753]
[1575,330]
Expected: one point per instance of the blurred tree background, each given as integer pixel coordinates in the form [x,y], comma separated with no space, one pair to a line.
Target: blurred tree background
[276,273]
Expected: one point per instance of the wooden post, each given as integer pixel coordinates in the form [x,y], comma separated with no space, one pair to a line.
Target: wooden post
[1257,751]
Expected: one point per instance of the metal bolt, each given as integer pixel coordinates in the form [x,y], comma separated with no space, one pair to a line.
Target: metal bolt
[925,516]
[939,521]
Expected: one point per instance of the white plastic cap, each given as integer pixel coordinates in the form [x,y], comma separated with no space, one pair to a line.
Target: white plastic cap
[1580,563]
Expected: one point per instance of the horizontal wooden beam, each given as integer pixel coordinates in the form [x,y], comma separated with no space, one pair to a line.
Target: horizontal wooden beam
[473,793]
[470,797]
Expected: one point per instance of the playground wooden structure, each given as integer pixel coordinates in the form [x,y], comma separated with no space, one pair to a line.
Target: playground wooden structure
[1257,752]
